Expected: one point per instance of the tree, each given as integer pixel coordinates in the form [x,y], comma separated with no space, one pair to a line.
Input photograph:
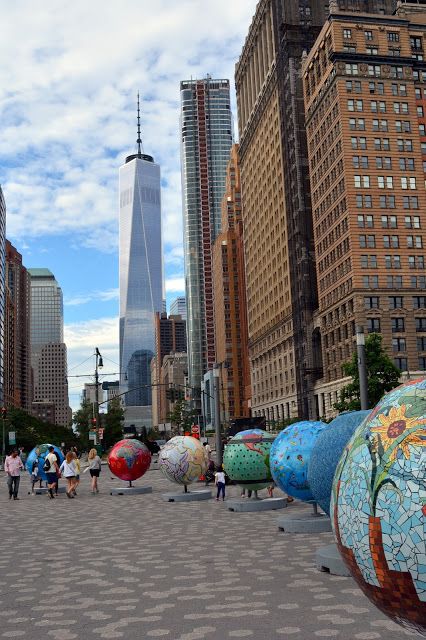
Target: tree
[382,376]
[30,431]
[82,418]
[112,421]
[181,416]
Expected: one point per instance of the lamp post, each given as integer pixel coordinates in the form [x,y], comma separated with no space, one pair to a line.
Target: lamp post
[216,395]
[98,365]
[362,368]
[3,448]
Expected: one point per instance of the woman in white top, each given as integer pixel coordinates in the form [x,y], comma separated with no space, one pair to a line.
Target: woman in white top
[67,469]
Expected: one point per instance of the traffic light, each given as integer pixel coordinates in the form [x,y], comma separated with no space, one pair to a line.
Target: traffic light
[94,423]
[168,394]
[3,413]
[171,394]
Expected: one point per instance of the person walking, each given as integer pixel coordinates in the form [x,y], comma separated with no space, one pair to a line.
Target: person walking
[12,466]
[220,483]
[94,468]
[77,470]
[208,450]
[35,475]
[51,469]
[67,469]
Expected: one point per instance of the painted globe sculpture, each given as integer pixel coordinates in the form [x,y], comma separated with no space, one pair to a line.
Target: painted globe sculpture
[39,453]
[129,459]
[326,454]
[183,459]
[378,505]
[246,459]
[290,458]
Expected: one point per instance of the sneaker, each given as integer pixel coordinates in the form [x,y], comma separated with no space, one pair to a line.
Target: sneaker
[15,498]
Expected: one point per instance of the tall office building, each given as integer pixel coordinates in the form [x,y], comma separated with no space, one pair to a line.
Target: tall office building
[2,290]
[48,350]
[206,138]
[230,300]
[178,307]
[277,216]
[365,96]
[17,350]
[141,275]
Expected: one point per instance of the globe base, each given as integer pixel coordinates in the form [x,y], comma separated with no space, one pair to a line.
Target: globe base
[305,523]
[328,559]
[190,496]
[267,504]
[129,491]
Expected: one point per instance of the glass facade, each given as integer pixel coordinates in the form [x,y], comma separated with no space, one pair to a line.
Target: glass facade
[206,139]
[141,274]
[47,309]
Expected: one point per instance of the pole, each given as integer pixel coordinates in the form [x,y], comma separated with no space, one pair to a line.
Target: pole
[3,448]
[218,436]
[98,364]
[362,368]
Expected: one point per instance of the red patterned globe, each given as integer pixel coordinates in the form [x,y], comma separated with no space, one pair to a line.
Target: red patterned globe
[129,459]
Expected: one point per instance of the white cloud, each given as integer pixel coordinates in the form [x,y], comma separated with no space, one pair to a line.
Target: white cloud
[84,298]
[175,285]
[67,104]
[81,339]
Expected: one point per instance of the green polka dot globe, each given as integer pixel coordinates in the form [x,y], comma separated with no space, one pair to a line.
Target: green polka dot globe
[378,505]
[246,459]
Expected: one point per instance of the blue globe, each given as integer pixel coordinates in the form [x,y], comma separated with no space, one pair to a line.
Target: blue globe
[326,454]
[40,452]
[290,456]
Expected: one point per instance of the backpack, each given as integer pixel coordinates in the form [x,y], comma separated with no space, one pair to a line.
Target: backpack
[46,465]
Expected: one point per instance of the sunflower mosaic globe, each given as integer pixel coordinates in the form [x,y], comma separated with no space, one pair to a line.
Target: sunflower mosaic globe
[378,505]
[246,459]
[183,459]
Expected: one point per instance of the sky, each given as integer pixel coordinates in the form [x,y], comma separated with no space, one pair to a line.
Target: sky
[69,78]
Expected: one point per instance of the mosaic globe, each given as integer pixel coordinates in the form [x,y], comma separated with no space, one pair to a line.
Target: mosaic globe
[326,454]
[129,459]
[246,459]
[183,459]
[39,453]
[378,505]
[290,457]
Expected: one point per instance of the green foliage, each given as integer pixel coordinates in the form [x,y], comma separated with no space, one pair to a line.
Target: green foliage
[182,417]
[382,376]
[82,419]
[283,424]
[31,431]
[113,421]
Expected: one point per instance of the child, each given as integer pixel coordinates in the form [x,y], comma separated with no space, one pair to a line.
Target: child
[35,475]
[220,483]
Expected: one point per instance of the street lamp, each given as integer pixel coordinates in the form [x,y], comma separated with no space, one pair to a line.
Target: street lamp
[216,394]
[362,368]
[98,365]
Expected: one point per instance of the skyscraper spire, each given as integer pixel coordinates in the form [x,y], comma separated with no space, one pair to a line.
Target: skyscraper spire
[139,140]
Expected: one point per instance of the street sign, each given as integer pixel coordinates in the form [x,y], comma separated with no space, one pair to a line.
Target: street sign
[12,437]
[101,433]
[195,428]
[92,435]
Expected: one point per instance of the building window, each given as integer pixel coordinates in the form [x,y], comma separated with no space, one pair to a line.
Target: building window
[419,302]
[347,34]
[353,86]
[421,343]
[415,242]
[373,325]
[395,302]
[351,69]
[355,105]
[367,241]
[385,182]
[374,70]
[372,51]
[371,302]
[399,344]
[368,35]
[382,144]
[362,181]
[380,125]
[406,164]
[408,183]
[398,325]
[363,202]
[401,363]
[422,363]
[370,282]
[391,242]
[412,222]
[393,36]
[404,144]
[368,262]
[360,162]
[383,162]
[420,324]
[393,262]
[394,282]
[359,143]
[418,282]
[365,221]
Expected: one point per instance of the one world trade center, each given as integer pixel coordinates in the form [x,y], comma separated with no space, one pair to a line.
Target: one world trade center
[141,280]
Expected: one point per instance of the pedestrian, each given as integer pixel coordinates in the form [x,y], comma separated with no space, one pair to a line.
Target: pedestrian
[58,473]
[67,469]
[35,474]
[220,483]
[94,468]
[271,489]
[12,466]
[77,470]
[51,469]
[208,450]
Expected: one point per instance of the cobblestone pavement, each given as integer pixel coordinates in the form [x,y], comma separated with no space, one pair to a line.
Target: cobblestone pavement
[137,567]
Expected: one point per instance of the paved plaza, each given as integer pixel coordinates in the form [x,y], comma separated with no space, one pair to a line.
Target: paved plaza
[137,567]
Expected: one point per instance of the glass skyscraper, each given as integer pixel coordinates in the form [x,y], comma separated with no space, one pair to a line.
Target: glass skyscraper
[141,274]
[48,350]
[2,290]
[206,139]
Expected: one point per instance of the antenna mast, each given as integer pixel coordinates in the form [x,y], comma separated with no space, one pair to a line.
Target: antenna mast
[139,140]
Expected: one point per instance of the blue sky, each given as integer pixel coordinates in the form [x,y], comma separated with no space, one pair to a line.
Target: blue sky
[68,89]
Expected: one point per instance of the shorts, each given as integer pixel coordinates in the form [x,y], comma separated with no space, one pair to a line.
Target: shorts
[77,476]
[94,473]
[51,478]
[69,477]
